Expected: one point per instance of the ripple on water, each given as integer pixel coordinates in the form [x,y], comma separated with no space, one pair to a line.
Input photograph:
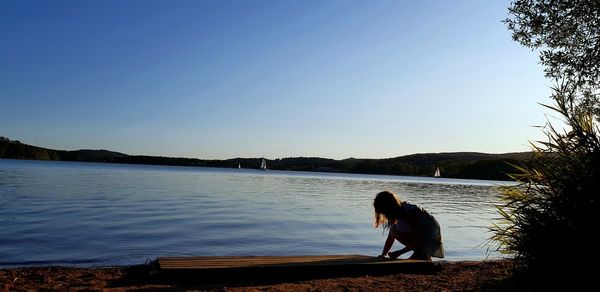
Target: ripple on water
[84,214]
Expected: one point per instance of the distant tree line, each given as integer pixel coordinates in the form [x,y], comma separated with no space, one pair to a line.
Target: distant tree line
[452,165]
[18,150]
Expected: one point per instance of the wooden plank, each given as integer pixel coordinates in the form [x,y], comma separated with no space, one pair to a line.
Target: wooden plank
[226,268]
[224,262]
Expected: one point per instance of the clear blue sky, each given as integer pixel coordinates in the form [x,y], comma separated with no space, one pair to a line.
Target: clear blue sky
[225,79]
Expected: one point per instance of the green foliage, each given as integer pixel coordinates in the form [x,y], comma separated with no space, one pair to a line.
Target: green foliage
[568,36]
[549,219]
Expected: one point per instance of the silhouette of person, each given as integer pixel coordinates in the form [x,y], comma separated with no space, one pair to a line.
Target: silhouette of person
[410,225]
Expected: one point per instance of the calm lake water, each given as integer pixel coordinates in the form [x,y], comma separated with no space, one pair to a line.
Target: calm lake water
[95,214]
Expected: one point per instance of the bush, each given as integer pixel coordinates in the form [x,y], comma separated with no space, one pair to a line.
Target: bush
[549,219]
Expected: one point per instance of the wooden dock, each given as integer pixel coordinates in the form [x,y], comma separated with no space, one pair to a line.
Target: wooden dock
[287,267]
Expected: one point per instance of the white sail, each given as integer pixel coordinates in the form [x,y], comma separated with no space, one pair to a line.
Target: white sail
[263,164]
[437,172]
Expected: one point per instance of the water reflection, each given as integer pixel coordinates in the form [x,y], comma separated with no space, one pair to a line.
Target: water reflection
[60,212]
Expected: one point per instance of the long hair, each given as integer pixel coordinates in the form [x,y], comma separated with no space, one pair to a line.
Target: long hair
[387,206]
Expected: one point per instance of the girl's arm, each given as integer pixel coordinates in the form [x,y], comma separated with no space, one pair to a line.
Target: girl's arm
[388,245]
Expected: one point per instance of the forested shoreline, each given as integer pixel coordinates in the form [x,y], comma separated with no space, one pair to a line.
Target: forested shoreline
[469,165]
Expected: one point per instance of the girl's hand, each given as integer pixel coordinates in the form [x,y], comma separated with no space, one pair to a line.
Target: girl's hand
[395,254]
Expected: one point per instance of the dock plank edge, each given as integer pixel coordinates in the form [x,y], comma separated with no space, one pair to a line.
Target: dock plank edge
[287,267]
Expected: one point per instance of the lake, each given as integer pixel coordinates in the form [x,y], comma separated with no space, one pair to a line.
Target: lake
[100,214]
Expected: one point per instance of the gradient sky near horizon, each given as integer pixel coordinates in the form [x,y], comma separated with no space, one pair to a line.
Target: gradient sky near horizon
[225,79]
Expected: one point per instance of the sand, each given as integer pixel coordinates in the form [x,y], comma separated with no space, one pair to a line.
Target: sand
[452,276]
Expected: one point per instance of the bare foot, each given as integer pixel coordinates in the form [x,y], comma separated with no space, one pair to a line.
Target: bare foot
[420,256]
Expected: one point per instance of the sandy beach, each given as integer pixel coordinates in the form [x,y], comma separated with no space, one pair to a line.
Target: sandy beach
[452,276]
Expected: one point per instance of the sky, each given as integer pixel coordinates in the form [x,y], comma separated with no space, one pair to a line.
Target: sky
[274,79]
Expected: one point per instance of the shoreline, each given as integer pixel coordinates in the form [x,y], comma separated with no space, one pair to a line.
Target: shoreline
[487,275]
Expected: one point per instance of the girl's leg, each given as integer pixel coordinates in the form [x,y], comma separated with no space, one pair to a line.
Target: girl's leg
[406,238]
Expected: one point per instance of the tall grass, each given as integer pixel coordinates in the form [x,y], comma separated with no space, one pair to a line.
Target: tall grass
[550,220]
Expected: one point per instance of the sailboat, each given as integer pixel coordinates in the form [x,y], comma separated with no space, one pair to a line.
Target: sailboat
[239,166]
[437,172]
[263,164]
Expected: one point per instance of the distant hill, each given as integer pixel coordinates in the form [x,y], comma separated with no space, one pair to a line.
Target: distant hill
[90,155]
[471,165]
